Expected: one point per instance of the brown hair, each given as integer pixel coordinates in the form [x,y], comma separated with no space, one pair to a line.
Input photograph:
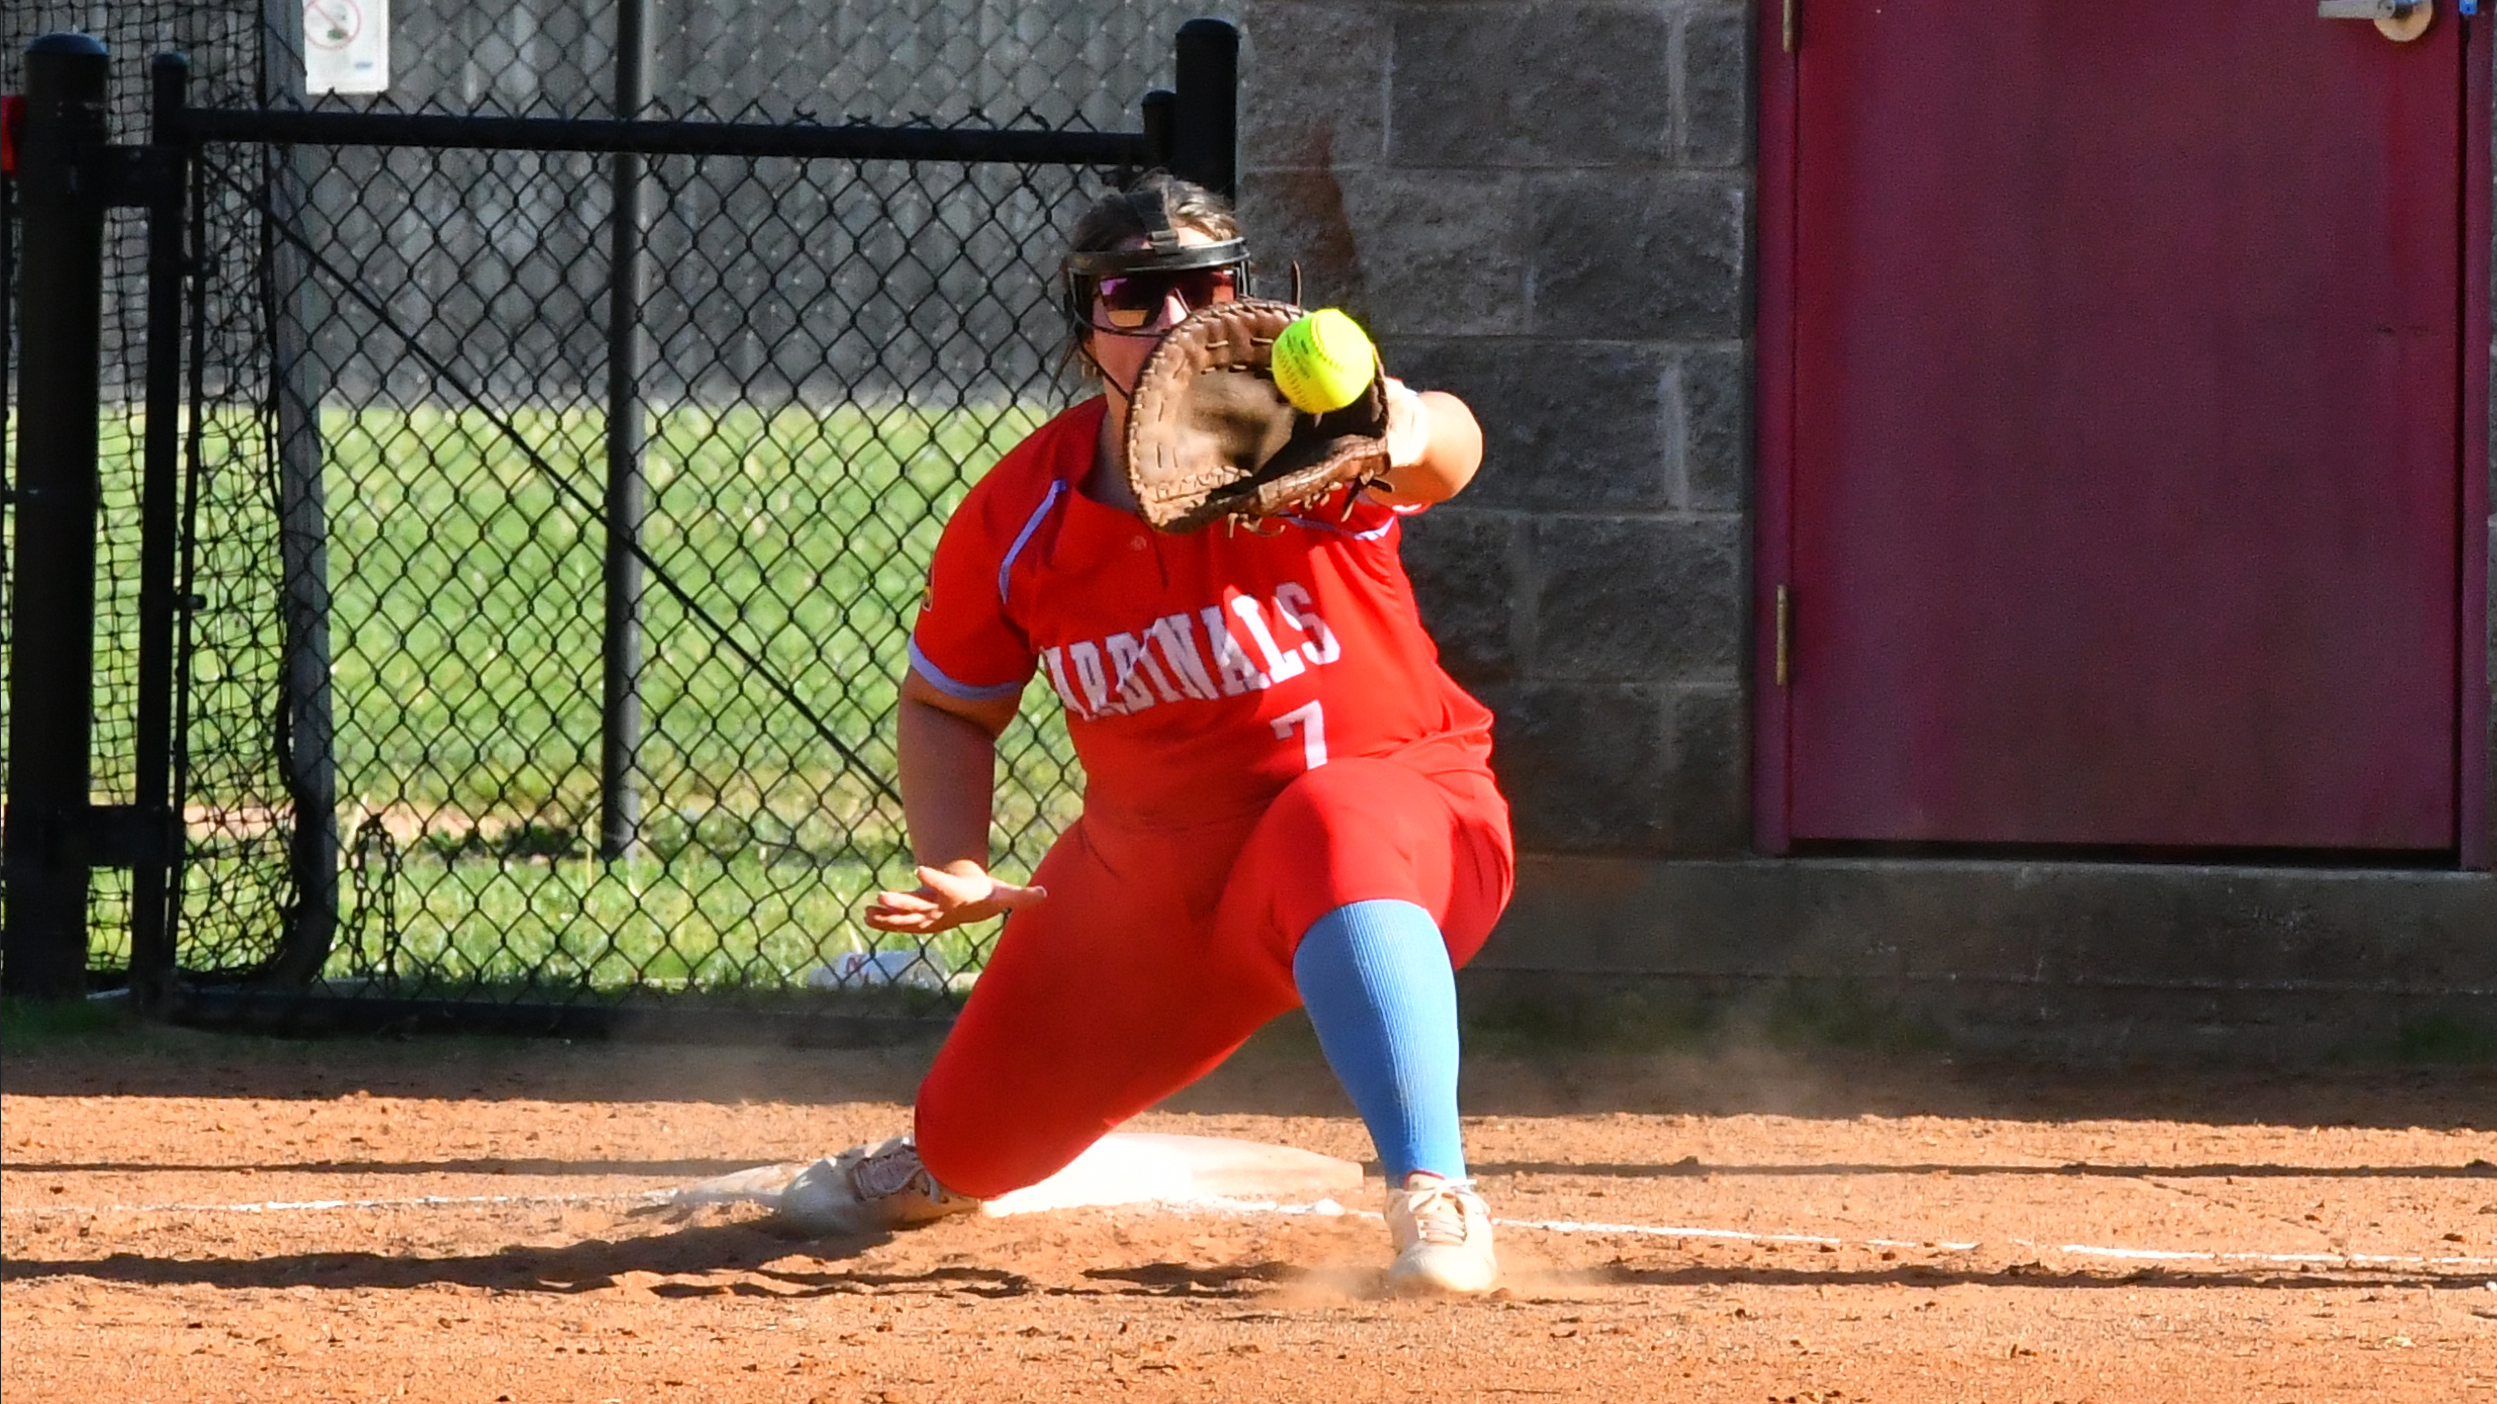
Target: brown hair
[1113,219]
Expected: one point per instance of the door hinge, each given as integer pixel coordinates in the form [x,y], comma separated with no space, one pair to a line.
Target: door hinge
[1792,20]
[1785,635]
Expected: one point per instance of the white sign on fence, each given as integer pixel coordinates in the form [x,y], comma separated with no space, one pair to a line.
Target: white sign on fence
[346,46]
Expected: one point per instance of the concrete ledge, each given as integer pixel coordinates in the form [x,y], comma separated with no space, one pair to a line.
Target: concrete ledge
[2059,958]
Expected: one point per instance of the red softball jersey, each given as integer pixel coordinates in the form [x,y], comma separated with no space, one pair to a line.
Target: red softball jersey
[1200,672]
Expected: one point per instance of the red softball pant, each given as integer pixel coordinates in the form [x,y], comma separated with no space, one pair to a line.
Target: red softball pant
[1160,951]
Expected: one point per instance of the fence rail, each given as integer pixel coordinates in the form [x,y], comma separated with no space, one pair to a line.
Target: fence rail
[795,141]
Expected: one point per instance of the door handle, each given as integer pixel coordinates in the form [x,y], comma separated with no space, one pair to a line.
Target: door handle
[2398,20]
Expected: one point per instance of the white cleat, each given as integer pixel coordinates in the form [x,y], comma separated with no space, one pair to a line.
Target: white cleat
[868,1189]
[1443,1238]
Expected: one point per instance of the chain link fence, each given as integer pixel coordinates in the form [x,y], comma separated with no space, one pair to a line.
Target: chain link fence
[543,658]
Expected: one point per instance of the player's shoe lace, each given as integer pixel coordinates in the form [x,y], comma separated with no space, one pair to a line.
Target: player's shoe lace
[1442,1232]
[867,1189]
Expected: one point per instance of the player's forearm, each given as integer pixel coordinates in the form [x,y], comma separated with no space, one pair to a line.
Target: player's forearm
[1450,455]
[948,768]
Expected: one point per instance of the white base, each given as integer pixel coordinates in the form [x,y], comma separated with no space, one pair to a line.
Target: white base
[1126,1167]
[1138,1167]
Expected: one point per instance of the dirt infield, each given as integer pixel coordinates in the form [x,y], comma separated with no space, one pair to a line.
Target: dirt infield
[229,1220]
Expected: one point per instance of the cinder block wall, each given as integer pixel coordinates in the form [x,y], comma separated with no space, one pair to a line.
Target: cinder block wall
[1546,208]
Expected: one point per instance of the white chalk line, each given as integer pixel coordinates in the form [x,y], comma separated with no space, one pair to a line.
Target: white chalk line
[1323,1208]
[1330,1209]
[298,1206]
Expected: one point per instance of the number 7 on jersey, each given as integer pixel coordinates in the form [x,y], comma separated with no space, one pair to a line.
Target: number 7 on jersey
[1312,721]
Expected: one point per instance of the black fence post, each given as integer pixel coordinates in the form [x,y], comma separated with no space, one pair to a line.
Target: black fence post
[1159,115]
[307,750]
[1205,147]
[63,186]
[151,912]
[628,288]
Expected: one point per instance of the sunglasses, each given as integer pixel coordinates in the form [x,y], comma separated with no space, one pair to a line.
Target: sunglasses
[1134,300]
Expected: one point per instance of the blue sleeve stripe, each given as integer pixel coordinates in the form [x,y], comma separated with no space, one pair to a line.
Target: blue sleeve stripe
[968,692]
[1025,535]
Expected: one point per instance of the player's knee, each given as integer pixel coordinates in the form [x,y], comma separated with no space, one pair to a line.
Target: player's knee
[977,1152]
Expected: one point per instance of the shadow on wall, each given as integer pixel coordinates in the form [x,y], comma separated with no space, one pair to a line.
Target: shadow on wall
[1803,1059]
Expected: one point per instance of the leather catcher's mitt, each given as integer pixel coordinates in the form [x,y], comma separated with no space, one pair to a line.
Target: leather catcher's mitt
[1209,436]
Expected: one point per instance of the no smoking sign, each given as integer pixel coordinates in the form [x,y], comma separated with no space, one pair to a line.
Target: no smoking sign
[346,46]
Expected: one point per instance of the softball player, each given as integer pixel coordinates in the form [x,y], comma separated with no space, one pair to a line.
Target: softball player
[1289,802]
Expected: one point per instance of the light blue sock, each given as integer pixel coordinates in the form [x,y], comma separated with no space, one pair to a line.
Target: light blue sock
[1376,981]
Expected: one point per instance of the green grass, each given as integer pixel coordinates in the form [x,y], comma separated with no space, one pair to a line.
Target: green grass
[467,590]
[464,560]
[2444,1039]
[28,1026]
[692,922]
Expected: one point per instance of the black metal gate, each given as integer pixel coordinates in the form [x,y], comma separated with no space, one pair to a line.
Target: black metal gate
[533,514]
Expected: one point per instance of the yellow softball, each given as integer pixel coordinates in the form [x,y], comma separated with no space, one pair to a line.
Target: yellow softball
[1323,361]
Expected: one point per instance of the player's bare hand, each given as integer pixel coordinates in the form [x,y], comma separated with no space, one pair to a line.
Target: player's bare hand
[1434,446]
[948,897]
[1408,424]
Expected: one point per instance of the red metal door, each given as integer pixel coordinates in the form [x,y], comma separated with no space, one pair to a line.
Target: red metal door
[2123,489]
